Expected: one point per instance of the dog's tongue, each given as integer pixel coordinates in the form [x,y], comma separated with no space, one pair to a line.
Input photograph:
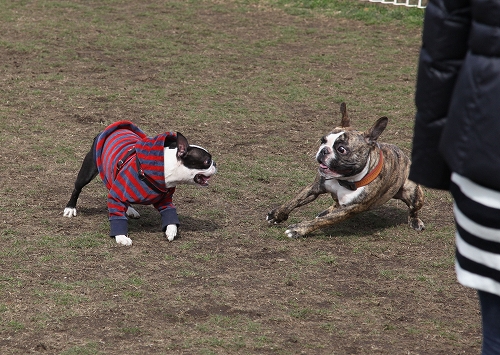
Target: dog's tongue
[325,168]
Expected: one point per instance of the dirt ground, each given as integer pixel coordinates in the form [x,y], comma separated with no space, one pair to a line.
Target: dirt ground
[257,87]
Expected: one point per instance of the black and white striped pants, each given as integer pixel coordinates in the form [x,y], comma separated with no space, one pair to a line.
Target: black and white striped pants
[477,217]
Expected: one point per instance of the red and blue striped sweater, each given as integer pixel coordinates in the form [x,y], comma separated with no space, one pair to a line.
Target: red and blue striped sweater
[124,184]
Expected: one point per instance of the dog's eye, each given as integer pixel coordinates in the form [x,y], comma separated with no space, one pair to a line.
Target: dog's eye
[323,140]
[341,149]
[207,162]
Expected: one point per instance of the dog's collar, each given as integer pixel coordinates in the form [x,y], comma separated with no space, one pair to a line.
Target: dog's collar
[353,185]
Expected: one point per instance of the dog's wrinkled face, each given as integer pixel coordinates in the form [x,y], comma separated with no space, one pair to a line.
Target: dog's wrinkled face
[343,153]
[187,164]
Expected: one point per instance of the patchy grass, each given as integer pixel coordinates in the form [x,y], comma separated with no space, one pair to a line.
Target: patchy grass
[257,83]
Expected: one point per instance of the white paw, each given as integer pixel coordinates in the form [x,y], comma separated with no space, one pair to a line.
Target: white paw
[292,232]
[132,213]
[123,240]
[69,212]
[171,232]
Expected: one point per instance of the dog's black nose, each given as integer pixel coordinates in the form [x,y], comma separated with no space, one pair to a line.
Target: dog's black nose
[215,165]
[324,151]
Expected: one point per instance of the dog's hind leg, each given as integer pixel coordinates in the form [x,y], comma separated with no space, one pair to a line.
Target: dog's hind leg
[413,195]
[132,213]
[87,172]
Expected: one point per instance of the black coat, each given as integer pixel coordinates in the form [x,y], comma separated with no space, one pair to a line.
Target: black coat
[457,125]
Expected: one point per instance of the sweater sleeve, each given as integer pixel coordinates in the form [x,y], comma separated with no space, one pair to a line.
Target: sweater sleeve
[167,210]
[444,46]
[169,216]
[117,215]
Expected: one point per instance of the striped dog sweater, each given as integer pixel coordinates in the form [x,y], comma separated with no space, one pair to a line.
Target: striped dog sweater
[122,179]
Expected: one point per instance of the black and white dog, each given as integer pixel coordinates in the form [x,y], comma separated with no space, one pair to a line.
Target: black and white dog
[137,169]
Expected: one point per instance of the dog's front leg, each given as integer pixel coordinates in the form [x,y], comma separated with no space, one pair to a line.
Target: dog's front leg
[335,216]
[330,209]
[307,195]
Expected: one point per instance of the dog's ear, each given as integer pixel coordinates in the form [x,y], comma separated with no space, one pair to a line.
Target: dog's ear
[182,145]
[373,133]
[345,119]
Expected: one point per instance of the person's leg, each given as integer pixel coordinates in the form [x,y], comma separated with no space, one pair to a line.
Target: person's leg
[490,312]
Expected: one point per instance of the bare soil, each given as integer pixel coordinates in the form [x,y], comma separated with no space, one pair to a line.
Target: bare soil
[230,284]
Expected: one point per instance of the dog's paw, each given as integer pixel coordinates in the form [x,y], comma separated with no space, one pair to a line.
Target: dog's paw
[69,212]
[132,213]
[274,217]
[171,232]
[270,219]
[123,240]
[293,231]
[417,224]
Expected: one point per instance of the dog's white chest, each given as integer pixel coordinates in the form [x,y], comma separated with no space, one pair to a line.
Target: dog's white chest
[344,196]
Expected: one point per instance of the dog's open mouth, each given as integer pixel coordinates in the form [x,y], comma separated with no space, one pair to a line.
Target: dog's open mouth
[323,167]
[201,179]
[326,171]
